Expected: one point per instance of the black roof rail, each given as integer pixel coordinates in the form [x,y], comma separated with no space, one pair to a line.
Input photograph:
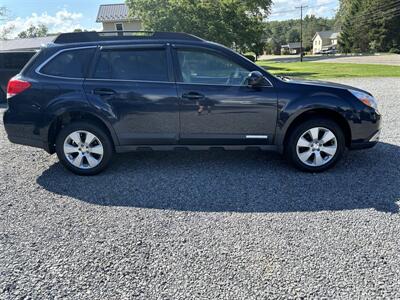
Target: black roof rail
[93,36]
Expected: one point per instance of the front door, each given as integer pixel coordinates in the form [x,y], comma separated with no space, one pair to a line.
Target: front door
[134,84]
[217,106]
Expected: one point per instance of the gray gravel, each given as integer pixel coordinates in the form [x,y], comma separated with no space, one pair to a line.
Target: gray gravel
[200,225]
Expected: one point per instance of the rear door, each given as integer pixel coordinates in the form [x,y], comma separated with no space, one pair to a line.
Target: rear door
[135,84]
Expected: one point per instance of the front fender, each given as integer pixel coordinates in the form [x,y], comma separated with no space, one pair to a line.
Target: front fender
[291,106]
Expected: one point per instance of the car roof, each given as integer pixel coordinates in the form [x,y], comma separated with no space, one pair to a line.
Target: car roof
[117,38]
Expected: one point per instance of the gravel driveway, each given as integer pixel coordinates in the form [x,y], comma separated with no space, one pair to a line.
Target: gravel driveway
[199,225]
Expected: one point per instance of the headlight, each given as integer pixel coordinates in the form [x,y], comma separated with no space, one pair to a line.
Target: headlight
[365,98]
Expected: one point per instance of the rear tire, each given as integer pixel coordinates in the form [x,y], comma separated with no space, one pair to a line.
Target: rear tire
[315,145]
[84,148]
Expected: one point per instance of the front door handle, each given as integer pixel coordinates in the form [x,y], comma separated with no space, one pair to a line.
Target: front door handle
[104,92]
[193,96]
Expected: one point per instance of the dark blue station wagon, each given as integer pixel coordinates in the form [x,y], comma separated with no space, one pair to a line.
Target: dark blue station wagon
[88,95]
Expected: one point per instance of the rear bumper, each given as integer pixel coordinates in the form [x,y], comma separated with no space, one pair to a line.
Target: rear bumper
[23,132]
[26,141]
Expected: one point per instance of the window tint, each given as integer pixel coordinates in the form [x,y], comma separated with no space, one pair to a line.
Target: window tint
[149,65]
[207,68]
[15,60]
[71,64]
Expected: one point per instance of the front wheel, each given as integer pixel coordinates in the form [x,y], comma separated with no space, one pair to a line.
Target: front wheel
[316,145]
[84,148]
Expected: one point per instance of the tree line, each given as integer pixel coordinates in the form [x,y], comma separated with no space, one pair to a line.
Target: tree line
[369,25]
[365,25]
[278,33]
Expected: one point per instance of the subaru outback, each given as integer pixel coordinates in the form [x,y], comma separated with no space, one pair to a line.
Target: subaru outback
[86,96]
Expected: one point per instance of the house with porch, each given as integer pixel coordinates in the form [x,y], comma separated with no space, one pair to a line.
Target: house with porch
[291,48]
[115,17]
[325,41]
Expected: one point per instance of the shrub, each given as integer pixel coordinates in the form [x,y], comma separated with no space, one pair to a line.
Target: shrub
[394,50]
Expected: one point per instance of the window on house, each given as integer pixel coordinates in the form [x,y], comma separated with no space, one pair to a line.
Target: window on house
[119,27]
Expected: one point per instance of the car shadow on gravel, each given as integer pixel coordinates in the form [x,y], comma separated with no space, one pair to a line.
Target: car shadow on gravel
[236,182]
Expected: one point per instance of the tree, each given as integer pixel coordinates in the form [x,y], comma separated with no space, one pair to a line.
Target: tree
[282,32]
[6,30]
[234,23]
[34,31]
[3,12]
[369,25]
[293,35]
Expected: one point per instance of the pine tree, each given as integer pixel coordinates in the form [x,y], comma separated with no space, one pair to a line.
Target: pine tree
[369,25]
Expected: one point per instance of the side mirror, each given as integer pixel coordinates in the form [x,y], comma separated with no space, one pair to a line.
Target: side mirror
[255,79]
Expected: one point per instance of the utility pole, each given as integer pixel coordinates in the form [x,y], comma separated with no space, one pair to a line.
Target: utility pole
[301,30]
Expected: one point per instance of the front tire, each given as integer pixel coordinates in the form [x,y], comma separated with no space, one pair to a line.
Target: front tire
[315,145]
[84,148]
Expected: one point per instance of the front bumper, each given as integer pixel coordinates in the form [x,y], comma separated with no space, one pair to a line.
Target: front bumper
[369,143]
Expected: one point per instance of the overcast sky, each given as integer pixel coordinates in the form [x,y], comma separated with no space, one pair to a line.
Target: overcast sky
[67,15]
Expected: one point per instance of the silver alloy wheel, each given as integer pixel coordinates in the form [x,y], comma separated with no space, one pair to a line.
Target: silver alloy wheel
[317,146]
[83,149]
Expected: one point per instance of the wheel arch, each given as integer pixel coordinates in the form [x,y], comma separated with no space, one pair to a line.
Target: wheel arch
[72,116]
[320,113]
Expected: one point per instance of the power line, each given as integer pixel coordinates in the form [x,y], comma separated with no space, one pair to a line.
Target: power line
[294,10]
[376,16]
[382,9]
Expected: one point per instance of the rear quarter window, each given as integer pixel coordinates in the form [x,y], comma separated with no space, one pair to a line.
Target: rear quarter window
[70,63]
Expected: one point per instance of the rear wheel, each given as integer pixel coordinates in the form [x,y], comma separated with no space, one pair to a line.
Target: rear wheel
[316,145]
[84,148]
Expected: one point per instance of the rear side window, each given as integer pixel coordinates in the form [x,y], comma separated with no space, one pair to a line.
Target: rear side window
[70,63]
[146,65]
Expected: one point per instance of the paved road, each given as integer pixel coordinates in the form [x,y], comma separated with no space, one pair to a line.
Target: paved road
[383,59]
[198,225]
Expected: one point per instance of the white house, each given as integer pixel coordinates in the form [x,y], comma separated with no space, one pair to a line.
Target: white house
[324,41]
[115,17]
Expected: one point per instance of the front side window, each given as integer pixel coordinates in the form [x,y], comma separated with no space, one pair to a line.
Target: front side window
[70,63]
[206,68]
[143,64]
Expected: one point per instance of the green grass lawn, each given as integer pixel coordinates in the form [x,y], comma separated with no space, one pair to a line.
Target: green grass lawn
[315,70]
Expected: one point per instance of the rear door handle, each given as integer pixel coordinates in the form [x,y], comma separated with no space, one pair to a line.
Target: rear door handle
[193,96]
[104,92]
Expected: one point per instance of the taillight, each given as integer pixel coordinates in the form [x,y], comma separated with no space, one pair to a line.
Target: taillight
[16,86]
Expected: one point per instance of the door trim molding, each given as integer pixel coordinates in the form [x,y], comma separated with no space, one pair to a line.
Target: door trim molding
[264,137]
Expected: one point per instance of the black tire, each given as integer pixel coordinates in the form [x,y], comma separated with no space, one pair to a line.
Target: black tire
[108,149]
[296,133]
